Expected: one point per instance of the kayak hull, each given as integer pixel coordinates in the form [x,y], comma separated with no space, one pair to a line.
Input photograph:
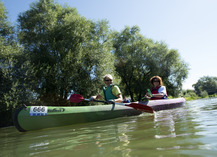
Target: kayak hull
[40,117]
[25,120]
[157,105]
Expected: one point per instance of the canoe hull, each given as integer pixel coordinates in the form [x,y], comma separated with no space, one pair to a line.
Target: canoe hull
[25,120]
[157,105]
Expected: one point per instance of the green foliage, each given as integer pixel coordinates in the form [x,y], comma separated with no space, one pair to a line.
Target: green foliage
[6,30]
[213,95]
[204,94]
[206,83]
[139,58]
[190,94]
[66,52]
[9,60]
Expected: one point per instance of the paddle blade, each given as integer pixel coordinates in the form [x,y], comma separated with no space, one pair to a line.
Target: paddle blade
[76,98]
[141,107]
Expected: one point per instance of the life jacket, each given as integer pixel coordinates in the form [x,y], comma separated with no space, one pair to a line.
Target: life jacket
[155,91]
[107,91]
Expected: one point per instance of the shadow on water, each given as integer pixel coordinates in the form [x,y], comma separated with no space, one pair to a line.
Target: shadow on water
[178,132]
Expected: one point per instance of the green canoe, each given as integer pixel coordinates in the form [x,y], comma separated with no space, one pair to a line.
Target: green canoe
[39,117]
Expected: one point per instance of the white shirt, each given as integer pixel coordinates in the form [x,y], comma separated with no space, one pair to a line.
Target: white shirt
[162,89]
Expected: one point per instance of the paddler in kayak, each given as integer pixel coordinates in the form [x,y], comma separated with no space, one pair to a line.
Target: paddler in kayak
[110,92]
[158,91]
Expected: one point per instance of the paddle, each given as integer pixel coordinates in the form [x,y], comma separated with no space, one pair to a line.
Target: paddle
[76,98]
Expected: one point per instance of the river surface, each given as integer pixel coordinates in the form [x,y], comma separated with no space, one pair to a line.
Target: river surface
[190,131]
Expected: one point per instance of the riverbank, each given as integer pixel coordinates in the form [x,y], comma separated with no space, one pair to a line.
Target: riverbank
[197,97]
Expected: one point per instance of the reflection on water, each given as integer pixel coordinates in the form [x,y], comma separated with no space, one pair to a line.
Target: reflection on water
[187,131]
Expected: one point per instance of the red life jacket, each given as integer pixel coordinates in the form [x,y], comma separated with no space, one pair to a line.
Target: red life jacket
[155,91]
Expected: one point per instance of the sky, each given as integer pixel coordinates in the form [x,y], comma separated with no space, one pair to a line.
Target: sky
[189,26]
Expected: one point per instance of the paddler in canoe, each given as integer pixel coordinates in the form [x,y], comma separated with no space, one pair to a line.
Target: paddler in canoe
[158,91]
[110,92]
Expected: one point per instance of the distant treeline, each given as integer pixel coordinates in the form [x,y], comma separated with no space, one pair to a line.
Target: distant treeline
[55,52]
[205,87]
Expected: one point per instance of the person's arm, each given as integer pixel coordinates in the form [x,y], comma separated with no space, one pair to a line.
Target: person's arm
[161,92]
[160,95]
[99,96]
[119,99]
[116,91]
[147,96]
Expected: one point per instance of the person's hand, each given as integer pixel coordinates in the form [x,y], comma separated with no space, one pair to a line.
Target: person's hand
[98,96]
[144,99]
[147,96]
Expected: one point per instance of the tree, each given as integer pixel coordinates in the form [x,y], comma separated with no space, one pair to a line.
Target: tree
[139,58]
[206,83]
[189,94]
[10,53]
[65,51]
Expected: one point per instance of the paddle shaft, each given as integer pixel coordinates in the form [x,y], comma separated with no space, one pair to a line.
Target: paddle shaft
[105,102]
[76,98]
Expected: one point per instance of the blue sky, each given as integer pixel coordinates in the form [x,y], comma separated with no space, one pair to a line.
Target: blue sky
[189,26]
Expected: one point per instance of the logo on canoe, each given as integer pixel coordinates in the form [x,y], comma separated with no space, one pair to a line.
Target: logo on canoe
[56,110]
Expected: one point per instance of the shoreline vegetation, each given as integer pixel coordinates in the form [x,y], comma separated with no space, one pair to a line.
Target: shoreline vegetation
[191,94]
[187,98]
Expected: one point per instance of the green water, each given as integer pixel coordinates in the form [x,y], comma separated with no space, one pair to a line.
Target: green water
[187,131]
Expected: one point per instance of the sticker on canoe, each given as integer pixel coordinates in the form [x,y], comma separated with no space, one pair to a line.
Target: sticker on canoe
[38,111]
[56,110]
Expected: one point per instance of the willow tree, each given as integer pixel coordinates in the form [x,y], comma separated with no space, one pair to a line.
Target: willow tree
[206,84]
[10,55]
[139,58]
[66,52]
